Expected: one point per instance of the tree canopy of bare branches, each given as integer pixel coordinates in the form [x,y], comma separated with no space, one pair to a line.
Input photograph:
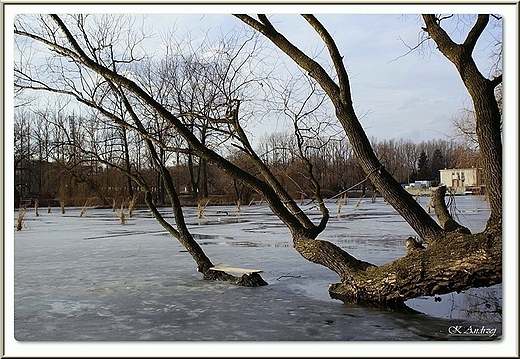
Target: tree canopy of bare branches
[185,106]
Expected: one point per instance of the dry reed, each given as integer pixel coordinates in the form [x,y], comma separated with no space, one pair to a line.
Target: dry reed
[20,221]
[62,193]
[200,209]
[428,205]
[359,201]
[122,218]
[36,212]
[84,208]
[131,205]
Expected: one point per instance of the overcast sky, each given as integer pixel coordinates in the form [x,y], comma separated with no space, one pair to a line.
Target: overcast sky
[396,96]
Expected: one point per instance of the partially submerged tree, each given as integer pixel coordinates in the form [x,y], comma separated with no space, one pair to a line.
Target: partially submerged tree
[127,111]
[453,259]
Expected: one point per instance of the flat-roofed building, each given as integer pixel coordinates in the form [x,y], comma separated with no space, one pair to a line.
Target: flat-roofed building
[463,180]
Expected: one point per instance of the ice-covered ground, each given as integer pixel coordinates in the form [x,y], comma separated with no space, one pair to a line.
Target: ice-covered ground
[94,279]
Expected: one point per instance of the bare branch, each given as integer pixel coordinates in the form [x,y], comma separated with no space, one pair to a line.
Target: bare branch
[337,59]
[410,48]
[475,33]
[496,81]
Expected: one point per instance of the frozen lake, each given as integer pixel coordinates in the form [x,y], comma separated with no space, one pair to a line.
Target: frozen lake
[94,279]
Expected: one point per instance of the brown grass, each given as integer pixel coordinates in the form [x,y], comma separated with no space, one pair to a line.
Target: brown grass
[131,205]
[200,209]
[62,193]
[359,201]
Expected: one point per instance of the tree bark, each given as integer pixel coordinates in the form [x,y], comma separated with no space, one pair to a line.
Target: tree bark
[457,262]
[441,211]
[487,112]
[453,260]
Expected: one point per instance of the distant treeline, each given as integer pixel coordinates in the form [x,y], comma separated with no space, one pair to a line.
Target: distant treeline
[54,163]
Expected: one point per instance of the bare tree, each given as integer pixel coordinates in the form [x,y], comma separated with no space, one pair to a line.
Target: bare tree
[23,151]
[453,260]
[108,95]
[488,117]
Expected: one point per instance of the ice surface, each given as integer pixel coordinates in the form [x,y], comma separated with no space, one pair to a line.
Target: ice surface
[94,279]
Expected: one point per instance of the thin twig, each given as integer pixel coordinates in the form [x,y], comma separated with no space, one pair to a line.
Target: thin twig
[357,184]
[288,276]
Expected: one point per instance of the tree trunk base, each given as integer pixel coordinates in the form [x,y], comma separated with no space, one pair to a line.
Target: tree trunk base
[246,280]
[338,291]
[452,263]
[251,280]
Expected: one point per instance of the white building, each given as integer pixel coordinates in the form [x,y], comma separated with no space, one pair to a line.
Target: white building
[463,180]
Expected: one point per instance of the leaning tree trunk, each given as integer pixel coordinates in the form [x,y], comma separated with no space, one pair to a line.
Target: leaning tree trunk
[181,231]
[456,261]
[453,259]
[128,165]
[487,112]
[339,94]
